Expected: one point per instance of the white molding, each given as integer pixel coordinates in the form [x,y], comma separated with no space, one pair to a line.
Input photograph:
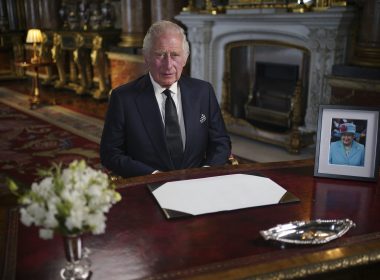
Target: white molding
[324,34]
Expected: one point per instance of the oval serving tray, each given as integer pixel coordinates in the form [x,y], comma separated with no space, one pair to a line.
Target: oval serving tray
[308,232]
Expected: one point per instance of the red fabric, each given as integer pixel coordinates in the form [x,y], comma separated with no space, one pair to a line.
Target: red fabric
[28,144]
[342,128]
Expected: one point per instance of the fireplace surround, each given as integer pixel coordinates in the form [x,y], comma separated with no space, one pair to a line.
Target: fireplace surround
[324,36]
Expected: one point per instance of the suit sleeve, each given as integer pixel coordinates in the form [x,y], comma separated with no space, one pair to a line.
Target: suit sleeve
[219,143]
[113,142]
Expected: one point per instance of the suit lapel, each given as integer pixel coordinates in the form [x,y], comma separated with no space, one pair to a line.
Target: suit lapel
[190,115]
[150,114]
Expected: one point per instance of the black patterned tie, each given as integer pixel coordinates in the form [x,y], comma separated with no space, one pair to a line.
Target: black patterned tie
[172,130]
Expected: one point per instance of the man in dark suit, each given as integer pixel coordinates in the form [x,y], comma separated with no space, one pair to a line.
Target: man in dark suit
[141,136]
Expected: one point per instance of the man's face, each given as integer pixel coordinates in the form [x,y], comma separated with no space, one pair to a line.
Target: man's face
[166,59]
[347,139]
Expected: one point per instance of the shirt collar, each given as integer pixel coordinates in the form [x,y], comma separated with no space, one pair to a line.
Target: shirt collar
[159,89]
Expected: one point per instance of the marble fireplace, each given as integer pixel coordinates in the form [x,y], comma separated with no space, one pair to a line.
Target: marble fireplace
[315,41]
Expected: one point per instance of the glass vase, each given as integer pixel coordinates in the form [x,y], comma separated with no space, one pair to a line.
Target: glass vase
[78,264]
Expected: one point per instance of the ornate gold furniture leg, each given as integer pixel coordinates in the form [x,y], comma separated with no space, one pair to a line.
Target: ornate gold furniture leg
[73,72]
[81,61]
[57,55]
[99,63]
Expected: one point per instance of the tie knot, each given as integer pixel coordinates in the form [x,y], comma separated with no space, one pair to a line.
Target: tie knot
[167,92]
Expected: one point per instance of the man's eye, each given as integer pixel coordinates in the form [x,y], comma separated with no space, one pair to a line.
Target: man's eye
[161,55]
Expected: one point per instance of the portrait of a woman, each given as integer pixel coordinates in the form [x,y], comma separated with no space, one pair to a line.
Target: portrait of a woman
[346,150]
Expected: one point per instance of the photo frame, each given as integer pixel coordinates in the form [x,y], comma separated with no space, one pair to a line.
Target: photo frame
[347,143]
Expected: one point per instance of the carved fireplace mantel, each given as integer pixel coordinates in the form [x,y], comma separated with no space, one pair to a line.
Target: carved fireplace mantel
[325,35]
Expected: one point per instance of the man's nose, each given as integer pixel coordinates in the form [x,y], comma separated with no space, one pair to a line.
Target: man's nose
[168,60]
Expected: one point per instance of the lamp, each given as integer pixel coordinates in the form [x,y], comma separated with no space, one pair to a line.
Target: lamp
[34,36]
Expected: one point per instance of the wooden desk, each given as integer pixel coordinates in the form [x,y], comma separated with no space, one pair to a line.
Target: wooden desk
[141,243]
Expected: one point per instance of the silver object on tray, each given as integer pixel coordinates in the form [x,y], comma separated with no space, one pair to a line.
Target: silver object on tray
[308,232]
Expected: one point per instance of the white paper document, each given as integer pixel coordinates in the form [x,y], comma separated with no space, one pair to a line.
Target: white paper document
[220,193]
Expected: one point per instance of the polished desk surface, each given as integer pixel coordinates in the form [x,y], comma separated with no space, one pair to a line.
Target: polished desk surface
[141,243]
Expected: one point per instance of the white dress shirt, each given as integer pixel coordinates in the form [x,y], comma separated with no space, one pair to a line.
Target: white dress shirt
[176,95]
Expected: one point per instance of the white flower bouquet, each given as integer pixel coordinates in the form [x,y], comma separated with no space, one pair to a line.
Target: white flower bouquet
[71,201]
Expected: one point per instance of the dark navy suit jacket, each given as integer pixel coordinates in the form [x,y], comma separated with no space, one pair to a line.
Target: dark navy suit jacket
[133,140]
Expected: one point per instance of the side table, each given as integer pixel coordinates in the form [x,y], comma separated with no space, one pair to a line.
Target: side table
[35,94]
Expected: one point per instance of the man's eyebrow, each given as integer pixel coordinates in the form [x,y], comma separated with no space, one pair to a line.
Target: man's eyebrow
[167,52]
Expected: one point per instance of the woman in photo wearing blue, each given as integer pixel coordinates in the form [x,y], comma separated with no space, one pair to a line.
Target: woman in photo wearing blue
[347,151]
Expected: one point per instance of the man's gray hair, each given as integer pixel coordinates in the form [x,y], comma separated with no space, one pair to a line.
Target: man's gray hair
[162,27]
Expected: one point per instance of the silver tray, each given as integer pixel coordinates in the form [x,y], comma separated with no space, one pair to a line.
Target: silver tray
[308,232]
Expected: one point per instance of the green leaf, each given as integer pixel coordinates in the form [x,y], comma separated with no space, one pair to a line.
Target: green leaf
[12,186]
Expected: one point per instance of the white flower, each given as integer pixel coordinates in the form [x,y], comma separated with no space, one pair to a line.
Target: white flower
[73,200]
[50,217]
[26,218]
[37,212]
[94,191]
[75,220]
[43,189]
[97,222]
[46,233]
[50,220]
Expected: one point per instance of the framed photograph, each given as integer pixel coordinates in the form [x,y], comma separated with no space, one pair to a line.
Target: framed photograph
[347,143]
